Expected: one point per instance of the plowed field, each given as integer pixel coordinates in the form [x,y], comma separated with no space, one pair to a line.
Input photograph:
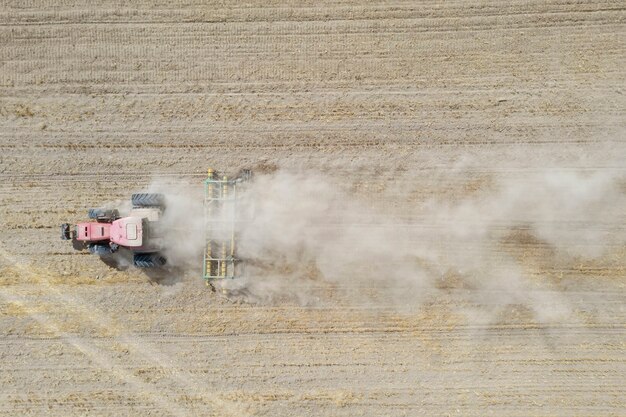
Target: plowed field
[401,103]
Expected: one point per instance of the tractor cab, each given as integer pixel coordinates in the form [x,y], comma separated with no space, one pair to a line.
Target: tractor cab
[128,231]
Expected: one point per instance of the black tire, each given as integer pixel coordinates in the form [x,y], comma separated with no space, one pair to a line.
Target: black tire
[103,215]
[94,213]
[100,249]
[149,260]
[148,200]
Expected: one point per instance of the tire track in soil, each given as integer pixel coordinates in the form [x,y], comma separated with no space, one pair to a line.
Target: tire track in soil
[89,315]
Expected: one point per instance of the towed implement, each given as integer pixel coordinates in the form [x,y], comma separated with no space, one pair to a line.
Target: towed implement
[221,216]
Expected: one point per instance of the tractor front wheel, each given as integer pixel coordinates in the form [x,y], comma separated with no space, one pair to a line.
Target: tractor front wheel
[103,215]
[149,260]
[99,249]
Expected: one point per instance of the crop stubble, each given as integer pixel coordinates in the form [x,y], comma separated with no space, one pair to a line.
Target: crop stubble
[96,101]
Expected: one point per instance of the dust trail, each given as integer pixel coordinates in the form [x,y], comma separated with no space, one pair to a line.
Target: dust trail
[298,229]
[305,228]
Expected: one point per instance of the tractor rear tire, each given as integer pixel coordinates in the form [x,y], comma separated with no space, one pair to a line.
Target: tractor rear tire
[148,200]
[149,260]
[99,249]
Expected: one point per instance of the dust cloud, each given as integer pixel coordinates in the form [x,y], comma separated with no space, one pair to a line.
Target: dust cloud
[305,229]
[182,224]
[298,231]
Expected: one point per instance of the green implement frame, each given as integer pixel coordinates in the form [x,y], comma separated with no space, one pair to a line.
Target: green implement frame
[220,215]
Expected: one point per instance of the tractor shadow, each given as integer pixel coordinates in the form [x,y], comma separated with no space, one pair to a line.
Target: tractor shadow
[122,261]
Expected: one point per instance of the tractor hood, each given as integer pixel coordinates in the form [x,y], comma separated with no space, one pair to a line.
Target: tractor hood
[92,231]
[127,231]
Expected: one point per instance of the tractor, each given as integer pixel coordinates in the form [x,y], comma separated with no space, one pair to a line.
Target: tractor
[107,231]
[143,234]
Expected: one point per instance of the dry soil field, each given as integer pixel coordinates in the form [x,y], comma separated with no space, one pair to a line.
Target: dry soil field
[402,103]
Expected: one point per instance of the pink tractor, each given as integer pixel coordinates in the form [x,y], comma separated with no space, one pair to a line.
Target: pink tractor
[139,232]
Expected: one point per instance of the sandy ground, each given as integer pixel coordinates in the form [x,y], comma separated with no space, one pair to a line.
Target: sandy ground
[388,98]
